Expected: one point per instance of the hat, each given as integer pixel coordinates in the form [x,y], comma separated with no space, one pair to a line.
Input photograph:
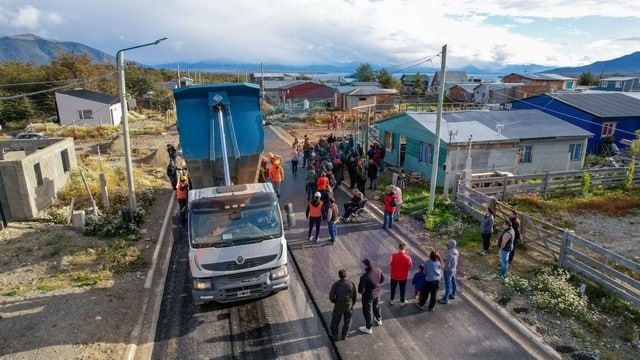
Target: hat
[276,162]
[317,194]
[184,178]
[366,262]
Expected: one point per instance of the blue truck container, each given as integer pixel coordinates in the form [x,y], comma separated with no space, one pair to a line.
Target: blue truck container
[202,111]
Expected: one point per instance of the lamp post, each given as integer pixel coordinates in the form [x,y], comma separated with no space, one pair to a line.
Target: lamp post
[125,121]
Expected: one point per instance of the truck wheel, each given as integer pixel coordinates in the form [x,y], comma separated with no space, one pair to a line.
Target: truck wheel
[177,233]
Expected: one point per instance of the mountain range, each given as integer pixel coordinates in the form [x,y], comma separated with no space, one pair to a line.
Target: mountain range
[27,47]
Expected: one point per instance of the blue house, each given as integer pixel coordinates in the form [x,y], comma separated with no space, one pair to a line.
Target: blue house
[512,141]
[611,116]
[619,83]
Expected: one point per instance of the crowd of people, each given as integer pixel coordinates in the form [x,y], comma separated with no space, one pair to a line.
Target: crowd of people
[325,164]
[343,293]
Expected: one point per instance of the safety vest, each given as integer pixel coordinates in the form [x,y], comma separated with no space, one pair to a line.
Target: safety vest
[315,211]
[276,174]
[181,194]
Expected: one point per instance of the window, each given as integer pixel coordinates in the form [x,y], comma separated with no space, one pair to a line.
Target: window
[618,84]
[85,114]
[64,156]
[425,153]
[608,129]
[388,140]
[524,154]
[604,83]
[575,151]
[38,173]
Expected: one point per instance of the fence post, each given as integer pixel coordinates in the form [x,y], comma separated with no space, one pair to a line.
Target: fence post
[504,188]
[546,185]
[566,243]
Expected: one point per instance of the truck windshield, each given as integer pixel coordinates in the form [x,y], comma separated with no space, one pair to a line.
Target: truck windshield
[234,227]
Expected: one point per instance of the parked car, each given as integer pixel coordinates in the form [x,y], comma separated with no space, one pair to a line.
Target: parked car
[32,135]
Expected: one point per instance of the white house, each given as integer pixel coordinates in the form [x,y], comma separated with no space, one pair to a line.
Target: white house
[84,107]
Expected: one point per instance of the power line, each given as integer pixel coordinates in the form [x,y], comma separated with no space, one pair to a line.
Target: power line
[58,88]
[37,83]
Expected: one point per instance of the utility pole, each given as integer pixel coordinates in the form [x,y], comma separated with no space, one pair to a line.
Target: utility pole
[436,146]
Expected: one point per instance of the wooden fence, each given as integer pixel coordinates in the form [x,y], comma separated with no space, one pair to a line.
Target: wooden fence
[553,183]
[582,257]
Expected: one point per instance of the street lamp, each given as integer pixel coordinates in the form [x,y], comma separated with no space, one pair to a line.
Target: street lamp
[125,121]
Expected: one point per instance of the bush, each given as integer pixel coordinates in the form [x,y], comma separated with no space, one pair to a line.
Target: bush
[553,292]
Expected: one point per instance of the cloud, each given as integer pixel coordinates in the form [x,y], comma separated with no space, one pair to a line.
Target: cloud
[633,38]
[326,32]
[27,17]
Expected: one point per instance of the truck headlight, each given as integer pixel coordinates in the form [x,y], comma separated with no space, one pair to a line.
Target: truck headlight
[201,285]
[279,273]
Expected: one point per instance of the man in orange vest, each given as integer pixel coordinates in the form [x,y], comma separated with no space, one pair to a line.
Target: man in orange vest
[314,214]
[276,174]
[182,191]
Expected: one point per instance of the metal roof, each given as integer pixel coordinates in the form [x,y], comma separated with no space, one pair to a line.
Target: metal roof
[498,126]
[366,90]
[604,105]
[540,76]
[92,95]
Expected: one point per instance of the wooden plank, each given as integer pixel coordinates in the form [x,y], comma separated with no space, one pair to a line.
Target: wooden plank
[596,265]
[607,254]
[612,287]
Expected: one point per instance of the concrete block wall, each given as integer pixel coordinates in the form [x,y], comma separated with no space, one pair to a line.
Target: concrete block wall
[21,193]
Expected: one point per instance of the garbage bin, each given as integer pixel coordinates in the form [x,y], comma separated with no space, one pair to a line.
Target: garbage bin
[291,219]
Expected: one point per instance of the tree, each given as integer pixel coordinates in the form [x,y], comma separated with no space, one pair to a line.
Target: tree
[16,110]
[138,85]
[365,72]
[387,81]
[587,78]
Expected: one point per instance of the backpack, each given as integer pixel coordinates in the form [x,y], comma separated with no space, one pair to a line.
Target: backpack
[393,202]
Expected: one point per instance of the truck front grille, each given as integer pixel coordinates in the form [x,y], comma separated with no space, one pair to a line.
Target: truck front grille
[233,265]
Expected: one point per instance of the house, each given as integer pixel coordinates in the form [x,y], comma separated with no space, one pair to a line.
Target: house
[515,141]
[31,173]
[258,77]
[496,93]
[408,82]
[619,83]
[538,83]
[451,78]
[462,92]
[351,96]
[85,107]
[271,89]
[612,116]
[309,90]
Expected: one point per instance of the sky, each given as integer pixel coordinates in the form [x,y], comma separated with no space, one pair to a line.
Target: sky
[395,34]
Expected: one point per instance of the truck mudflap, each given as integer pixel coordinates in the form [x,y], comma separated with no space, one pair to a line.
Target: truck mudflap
[239,287]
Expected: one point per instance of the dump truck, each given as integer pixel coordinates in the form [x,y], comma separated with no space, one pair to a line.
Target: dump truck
[237,247]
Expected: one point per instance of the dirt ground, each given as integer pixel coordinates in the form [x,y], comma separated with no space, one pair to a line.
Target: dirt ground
[96,322]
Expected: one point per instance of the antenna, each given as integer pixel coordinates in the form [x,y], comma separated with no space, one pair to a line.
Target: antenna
[499,128]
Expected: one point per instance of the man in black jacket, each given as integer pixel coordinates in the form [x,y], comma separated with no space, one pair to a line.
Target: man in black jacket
[343,296]
[369,288]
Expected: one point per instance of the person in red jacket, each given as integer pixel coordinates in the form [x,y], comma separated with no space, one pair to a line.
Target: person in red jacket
[390,204]
[400,264]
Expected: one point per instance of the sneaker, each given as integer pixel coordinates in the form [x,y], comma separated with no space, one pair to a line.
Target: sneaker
[315,240]
[378,321]
[403,303]
[332,242]
[365,330]
[391,301]
[421,307]
[344,338]
[452,297]
[440,301]
[310,238]
[483,252]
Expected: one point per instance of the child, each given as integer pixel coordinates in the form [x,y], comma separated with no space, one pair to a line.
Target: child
[418,281]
